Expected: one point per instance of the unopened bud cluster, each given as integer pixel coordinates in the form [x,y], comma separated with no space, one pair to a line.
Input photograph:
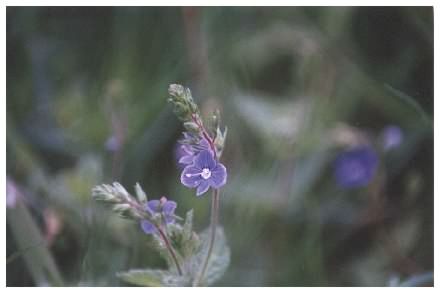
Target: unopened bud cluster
[122,202]
[184,105]
[188,112]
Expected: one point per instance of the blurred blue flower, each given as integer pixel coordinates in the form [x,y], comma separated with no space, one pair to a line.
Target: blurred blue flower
[355,167]
[205,172]
[155,207]
[392,137]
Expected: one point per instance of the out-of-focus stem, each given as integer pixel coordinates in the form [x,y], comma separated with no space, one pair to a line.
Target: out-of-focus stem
[195,41]
[214,220]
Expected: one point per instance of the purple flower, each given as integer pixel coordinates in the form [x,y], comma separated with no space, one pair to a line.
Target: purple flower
[355,167]
[155,207]
[392,137]
[205,172]
[187,154]
[189,147]
[180,152]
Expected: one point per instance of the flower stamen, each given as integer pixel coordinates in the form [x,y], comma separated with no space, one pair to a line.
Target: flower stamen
[206,173]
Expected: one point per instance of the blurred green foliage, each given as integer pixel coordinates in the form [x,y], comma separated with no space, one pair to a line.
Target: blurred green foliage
[86,104]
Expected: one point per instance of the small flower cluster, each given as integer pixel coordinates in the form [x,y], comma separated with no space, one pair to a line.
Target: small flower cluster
[161,211]
[156,218]
[186,253]
[201,147]
[152,214]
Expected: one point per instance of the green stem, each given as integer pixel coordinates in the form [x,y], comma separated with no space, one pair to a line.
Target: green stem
[214,220]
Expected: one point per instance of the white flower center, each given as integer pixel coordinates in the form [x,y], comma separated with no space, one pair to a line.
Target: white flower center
[206,173]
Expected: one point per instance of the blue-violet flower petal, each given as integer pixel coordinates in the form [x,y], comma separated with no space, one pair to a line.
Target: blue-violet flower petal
[205,172]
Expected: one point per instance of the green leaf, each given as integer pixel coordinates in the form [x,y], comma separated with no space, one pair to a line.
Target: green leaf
[220,139]
[159,246]
[424,279]
[187,226]
[140,194]
[190,240]
[411,102]
[219,260]
[21,252]
[38,258]
[152,278]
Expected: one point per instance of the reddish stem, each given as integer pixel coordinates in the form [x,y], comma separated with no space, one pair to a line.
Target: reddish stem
[197,121]
[162,235]
[170,249]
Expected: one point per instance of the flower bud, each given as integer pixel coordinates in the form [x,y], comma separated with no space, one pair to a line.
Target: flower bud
[219,141]
[127,211]
[191,127]
[140,194]
[104,193]
[121,191]
[121,207]
[182,101]
[176,90]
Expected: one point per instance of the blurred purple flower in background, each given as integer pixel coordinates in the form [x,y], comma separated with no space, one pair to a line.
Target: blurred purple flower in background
[154,207]
[12,193]
[355,167]
[205,172]
[112,144]
[392,137]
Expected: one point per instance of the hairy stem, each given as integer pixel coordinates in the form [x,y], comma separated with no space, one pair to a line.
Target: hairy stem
[163,235]
[214,220]
[170,249]
[199,123]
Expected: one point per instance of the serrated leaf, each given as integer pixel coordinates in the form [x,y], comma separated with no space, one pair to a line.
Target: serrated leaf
[219,260]
[152,278]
